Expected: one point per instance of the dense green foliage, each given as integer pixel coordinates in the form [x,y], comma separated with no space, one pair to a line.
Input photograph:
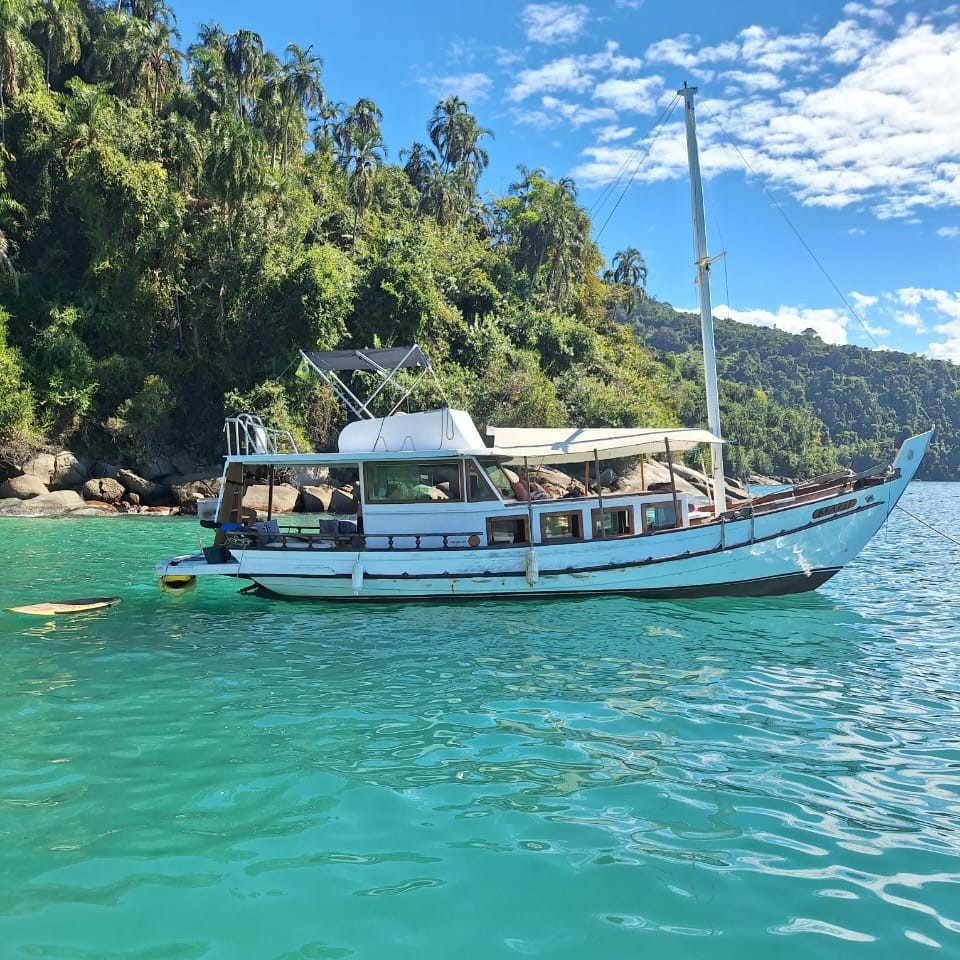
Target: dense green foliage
[813,401]
[177,220]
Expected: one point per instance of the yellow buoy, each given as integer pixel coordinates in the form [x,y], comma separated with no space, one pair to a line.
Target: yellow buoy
[177,583]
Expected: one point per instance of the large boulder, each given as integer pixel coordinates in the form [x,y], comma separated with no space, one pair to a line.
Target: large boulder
[57,503]
[25,487]
[189,489]
[105,490]
[150,493]
[103,468]
[325,499]
[285,497]
[93,508]
[41,466]
[68,471]
[155,469]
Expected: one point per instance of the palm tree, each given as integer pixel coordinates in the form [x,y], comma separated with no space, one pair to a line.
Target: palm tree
[85,108]
[63,30]
[367,156]
[454,132]
[630,274]
[243,60]
[300,87]
[19,58]
[207,72]
[163,60]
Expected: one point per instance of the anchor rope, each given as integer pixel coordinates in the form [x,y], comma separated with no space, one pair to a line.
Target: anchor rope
[929,526]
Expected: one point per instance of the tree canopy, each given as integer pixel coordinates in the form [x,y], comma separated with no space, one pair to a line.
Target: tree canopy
[176,220]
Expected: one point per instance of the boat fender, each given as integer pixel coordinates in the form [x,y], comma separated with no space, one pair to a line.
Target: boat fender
[356,578]
[532,567]
[177,583]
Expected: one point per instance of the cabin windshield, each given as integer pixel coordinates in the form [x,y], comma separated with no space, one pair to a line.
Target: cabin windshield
[498,478]
[411,481]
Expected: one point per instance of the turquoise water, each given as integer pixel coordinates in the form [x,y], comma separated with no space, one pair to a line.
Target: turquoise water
[220,776]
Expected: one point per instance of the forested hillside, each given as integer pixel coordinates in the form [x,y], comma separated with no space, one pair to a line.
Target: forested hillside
[179,216]
[865,401]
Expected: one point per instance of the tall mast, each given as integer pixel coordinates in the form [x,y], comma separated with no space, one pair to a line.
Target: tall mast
[706,313]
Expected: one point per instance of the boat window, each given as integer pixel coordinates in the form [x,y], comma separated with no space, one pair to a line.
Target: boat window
[412,482]
[478,488]
[498,477]
[659,516]
[506,530]
[561,526]
[616,522]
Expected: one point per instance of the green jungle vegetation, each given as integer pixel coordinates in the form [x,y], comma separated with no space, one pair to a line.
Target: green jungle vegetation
[836,404]
[176,220]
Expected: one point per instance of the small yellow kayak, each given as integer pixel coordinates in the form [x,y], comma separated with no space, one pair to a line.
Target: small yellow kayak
[53,607]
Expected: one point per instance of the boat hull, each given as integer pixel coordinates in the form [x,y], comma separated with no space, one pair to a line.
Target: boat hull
[781,551]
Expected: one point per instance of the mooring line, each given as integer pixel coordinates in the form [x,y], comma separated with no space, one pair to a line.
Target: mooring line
[946,536]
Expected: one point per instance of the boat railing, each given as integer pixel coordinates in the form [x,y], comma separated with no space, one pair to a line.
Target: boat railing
[247,435]
[302,538]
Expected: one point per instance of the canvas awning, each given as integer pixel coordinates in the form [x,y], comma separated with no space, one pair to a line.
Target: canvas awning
[381,360]
[385,362]
[567,445]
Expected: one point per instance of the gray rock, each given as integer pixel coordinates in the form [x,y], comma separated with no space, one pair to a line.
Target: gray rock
[102,469]
[183,464]
[133,482]
[285,497]
[105,489]
[93,509]
[57,503]
[68,471]
[189,490]
[316,499]
[41,466]
[23,488]
[155,469]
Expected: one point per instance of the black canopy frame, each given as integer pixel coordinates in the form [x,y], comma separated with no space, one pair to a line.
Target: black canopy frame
[384,362]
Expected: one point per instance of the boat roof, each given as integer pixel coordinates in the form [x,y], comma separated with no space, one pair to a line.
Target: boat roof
[575,445]
[449,433]
[377,361]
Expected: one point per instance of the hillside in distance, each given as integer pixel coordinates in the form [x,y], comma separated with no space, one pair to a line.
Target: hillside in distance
[867,401]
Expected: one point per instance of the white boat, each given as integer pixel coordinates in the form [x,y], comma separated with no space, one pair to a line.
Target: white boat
[442,513]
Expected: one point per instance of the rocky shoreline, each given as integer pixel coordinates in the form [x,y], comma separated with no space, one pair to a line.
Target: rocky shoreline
[64,485]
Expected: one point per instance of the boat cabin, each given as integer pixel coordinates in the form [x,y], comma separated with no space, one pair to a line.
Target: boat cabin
[427,481]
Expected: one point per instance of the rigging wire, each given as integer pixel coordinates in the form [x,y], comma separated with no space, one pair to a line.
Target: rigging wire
[929,526]
[641,156]
[783,213]
[806,246]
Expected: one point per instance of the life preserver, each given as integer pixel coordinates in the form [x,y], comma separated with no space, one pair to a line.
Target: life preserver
[177,583]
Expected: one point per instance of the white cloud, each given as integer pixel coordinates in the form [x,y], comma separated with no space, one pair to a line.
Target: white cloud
[877,13]
[911,320]
[753,80]
[675,51]
[948,232]
[640,95]
[940,304]
[848,41]
[765,48]
[611,133]
[554,22]
[576,114]
[567,73]
[467,86]
[830,325]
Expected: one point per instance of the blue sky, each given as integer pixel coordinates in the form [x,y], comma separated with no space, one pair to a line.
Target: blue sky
[839,122]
